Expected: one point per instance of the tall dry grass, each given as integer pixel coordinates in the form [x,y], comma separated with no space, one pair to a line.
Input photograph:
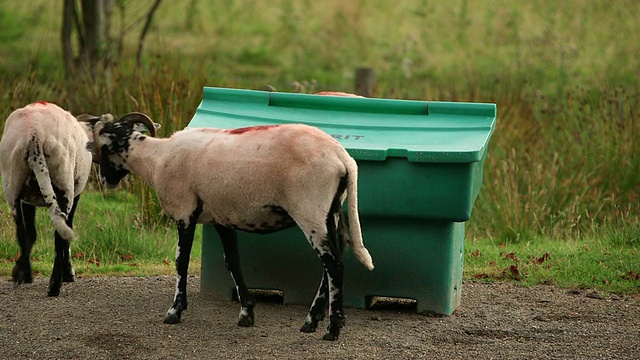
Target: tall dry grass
[563,162]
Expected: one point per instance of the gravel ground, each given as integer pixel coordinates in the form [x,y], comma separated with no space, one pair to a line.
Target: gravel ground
[121,318]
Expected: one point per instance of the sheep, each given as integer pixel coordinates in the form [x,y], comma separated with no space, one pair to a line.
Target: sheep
[257,179]
[45,162]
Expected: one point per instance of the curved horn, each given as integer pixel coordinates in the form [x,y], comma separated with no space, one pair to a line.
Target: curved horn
[93,118]
[140,118]
[87,118]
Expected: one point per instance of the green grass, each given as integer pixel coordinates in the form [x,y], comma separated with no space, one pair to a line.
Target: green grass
[110,239]
[595,263]
[563,164]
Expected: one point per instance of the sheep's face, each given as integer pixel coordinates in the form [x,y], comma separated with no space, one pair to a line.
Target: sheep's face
[114,146]
[111,170]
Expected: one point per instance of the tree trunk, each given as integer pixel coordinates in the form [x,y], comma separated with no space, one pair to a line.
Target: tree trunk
[67,50]
[147,24]
[108,54]
[92,25]
[92,21]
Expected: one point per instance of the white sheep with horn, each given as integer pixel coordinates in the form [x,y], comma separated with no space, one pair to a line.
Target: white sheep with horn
[257,179]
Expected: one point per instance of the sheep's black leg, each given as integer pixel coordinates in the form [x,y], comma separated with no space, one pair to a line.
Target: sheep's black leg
[186,232]
[232,261]
[331,255]
[335,270]
[333,265]
[332,260]
[68,274]
[183,255]
[62,262]
[319,306]
[329,242]
[24,218]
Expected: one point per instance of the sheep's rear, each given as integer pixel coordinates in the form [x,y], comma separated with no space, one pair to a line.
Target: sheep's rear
[44,162]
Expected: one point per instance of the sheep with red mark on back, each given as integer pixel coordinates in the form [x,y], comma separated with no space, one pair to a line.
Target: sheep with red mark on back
[257,179]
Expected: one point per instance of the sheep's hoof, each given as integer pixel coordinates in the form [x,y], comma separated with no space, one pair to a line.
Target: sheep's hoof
[53,291]
[69,275]
[172,318]
[55,283]
[309,327]
[333,331]
[245,322]
[21,275]
[330,336]
[246,319]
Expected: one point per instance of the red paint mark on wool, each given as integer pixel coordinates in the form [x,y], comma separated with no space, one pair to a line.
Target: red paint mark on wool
[250,128]
[41,102]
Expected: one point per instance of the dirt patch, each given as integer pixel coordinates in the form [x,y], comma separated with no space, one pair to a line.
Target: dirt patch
[121,318]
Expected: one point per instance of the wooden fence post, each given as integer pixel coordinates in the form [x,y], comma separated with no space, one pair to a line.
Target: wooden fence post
[365,81]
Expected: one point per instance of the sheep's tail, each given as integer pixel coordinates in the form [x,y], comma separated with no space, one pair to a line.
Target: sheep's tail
[355,232]
[38,164]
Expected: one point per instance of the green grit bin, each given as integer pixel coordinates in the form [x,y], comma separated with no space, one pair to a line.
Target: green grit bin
[420,171]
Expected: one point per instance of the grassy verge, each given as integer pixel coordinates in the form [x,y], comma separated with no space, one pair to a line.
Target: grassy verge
[111,240]
[593,263]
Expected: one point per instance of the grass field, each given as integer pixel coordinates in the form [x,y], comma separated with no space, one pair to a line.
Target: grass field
[562,176]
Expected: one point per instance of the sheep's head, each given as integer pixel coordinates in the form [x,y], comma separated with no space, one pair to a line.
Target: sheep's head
[113,142]
[88,123]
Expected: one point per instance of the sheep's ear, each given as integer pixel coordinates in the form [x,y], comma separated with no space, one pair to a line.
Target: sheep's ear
[94,141]
[93,149]
[89,122]
[97,127]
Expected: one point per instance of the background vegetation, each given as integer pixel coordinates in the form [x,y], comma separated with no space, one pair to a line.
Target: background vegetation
[560,197]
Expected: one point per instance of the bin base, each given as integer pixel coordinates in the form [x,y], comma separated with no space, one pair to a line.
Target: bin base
[414,259]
